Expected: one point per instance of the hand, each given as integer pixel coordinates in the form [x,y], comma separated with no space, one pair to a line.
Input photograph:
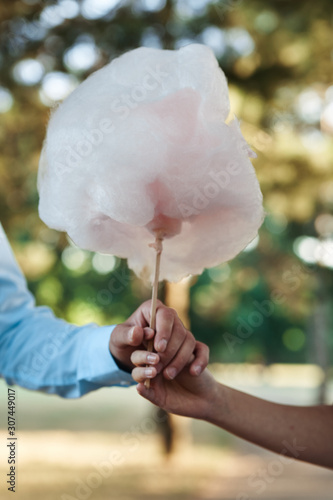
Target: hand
[187,395]
[175,346]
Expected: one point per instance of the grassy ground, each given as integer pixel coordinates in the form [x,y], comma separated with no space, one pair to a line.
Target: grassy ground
[104,446]
[62,465]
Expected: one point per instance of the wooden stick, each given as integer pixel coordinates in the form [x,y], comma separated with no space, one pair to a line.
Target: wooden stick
[157,245]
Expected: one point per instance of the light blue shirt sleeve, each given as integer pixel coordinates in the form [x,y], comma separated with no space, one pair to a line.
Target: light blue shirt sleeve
[41,352]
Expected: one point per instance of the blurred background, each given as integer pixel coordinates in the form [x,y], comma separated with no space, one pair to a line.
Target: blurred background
[267,315]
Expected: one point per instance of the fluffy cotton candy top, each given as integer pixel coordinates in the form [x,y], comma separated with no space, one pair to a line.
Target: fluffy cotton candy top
[142,145]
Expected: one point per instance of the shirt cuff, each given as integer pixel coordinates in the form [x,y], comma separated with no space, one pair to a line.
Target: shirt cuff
[96,362]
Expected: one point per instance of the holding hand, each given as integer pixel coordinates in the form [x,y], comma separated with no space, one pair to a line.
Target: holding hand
[190,394]
[175,346]
[305,433]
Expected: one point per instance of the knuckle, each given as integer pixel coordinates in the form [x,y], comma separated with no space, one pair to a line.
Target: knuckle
[166,316]
[168,313]
[190,338]
[203,351]
[135,360]
[206,349]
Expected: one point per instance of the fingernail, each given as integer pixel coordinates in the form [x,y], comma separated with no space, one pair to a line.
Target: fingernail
[148,372]
[151,358]
[197,370]
[161,346]
[131,334]
[171,372]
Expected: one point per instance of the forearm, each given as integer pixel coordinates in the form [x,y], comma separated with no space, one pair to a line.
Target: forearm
[44,353]
[305,433]
[41,352]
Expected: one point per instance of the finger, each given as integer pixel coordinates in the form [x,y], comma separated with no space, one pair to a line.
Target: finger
[124,335]
[200,362]
[165,319]
[164,322]
[148,333]
[147,393]
[143,313]
[178,337]
[182,358]
[141,374]
[140,358]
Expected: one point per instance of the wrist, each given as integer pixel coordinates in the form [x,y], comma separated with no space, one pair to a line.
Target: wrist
[208,393]
[120,356]
[218,405]
[122,366]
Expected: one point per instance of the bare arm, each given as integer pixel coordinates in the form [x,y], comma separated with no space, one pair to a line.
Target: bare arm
[304,433]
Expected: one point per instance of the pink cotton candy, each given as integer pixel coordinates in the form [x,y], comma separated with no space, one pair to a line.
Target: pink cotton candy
[142,145]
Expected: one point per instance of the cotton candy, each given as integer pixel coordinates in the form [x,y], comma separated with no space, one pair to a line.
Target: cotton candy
[142,146]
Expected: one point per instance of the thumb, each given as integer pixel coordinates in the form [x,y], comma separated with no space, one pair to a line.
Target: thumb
[147,393]
[125,335]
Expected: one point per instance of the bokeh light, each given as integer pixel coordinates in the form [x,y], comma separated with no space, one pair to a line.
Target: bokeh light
[187,8]
[309,106]
[51,16]
[104,264]
[151,39]
[266,22]
[305,248]
[6,100]
[148,5]
[49,291]
[81,56]
[182,42]
[313,139]
[28,72]
[294,339]
[74,258]
[324,224]
[240,41]
[95,9]
[68,9]
[56,86]
[312,250]
[219,274]
[324,252]
[215,38]
[276,223]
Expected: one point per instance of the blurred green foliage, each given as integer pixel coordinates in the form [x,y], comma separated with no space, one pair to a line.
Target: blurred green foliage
[278,60]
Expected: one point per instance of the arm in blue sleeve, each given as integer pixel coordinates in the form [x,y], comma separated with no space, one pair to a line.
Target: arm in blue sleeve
[41,352]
